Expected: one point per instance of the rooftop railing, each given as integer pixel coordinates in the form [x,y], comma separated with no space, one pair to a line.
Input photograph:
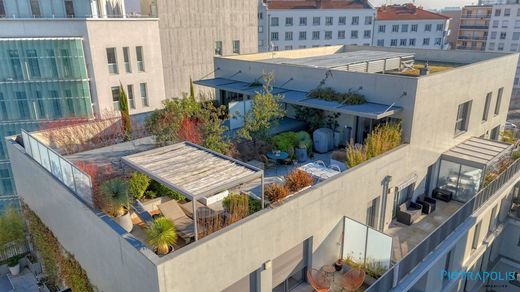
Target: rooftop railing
[477,16]
[401,269]
[474,27]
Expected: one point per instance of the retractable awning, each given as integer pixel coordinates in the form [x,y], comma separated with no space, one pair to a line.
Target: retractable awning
[478,152]
[367,110]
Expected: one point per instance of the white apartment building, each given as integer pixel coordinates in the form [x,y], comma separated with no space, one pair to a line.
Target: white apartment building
[410,26]
[287,25]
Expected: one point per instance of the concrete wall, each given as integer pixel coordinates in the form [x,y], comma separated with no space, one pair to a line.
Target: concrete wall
[98,35]
[189,30]
[111,262]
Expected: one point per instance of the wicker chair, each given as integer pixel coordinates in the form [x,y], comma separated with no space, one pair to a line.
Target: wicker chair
[353,280]
[318,280]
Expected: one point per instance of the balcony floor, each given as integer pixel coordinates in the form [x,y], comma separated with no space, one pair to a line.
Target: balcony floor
[405,237]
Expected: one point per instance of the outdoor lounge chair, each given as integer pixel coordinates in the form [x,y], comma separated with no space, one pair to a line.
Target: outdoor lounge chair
[428,204]
[353,279]
[443,195]
[318,280]
[183,224]
[141,212]
[408,212]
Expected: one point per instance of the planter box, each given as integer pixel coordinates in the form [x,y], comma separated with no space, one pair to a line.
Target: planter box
[369,280]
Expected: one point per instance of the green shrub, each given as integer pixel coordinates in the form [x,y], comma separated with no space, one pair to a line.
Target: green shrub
[233,200]
[515,155]
[138,184]
[285,141]
[163,191]
[11,227]
[254,205]
[150,194]
[329,94]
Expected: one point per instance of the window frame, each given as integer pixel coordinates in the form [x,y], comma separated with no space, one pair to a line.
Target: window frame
[463,116]
[145,102]
[139,56]
[499,101]
[113,67]
[487,105]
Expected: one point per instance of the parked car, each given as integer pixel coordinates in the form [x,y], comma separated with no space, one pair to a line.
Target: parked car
[510,125]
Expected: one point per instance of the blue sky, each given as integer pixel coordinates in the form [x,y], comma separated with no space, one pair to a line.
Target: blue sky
[430,4]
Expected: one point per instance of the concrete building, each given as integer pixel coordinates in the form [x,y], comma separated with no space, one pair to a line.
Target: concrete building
[193,32]
[287,25]
[474,27]
[455,15]
[410,26]
[67,59]
[448,134]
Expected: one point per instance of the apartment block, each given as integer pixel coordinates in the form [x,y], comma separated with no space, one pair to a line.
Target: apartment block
[287,25]
[369,211]
[193,32]
[474,27]
[454,14]
[68,59]
[410,26]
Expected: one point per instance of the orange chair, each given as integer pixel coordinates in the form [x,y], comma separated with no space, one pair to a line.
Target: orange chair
[353,279]
[318,280]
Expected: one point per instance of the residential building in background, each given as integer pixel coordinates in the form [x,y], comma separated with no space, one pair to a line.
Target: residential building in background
[368,212]
[474,27]
[455,14]
[410,26]
[193,32]
[288,25]
[67,59]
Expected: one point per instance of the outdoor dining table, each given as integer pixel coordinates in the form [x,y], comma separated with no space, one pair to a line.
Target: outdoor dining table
[279,155]
[318,170]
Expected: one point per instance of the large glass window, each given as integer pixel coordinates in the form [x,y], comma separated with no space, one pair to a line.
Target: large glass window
[461,124]
[53,66]
[140,58]
[69,8]
[35,8]
[144,94]
[67,65]
[462,180]
[16,65]
[2,8]
[112,61]
[126,59]
[23,105]
[32,62]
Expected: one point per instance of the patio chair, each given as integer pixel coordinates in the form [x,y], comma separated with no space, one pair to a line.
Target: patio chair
[141,212]
[320,163]
[353,280]
[408,212]
[443,195]
[428,204]
[183,224]
[318,280]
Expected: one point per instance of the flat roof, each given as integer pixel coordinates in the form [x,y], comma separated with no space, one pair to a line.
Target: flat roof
[479,151]
[343,59]
[192,170]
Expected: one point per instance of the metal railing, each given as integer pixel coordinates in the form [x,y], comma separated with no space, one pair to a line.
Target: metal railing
[477,16]
[399,271]
[13,249]
[475,38]
[474,27]
[66,172]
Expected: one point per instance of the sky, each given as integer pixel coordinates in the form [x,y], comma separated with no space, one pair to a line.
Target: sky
[429,4]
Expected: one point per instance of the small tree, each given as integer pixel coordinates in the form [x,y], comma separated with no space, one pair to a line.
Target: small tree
[264,113]
[126,123]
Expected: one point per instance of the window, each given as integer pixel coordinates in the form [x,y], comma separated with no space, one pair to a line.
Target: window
[115,97]
[328,35]
[32,62]
[495,23]
[395,28]
[144,94]
[382,28]
[461,124]
[372,207]
[517,22]
[260,28]
[16,65]
[275,48]
[438,41]
[503,35]
[414,27]
[315,35]
[112,61]
[35,8]
[367,34]
[514,47]
[274,36]
[426,41]
[316,20]
[368,20]
[288,21]
[428,27]
[505,23]
[69,8]
[380,43]
[500,47]
[126,59]
[288,35]
[486,107]
[341,34]
[402,42]
[342,20]
[404,28]
[288,48]
[440,27]
[497,12]
[493,219]
[354,34]
[218,48]
[516,36]
[302,35]
[66,63]
[274,21]
[236,46]
[23,106]
[411,42]
[328,20]
[260,15]
[131,99]
[302,47]
[499,100]
[393,43]
[303,21]
[355,20]
[491,46]
[2,8]
[140,58]
[507,12]
[476,236]
[493,35]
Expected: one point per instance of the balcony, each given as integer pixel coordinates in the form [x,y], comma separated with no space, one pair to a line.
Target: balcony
[477,16]
[473,38]
[474,27]
[471,48]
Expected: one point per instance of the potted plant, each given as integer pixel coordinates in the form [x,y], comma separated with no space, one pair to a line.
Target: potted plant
[301,152]
[162,235]
[14,265]
[114,194]
[338,265]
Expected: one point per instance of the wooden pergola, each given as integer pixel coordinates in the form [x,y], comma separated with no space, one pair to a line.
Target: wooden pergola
[194,171]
